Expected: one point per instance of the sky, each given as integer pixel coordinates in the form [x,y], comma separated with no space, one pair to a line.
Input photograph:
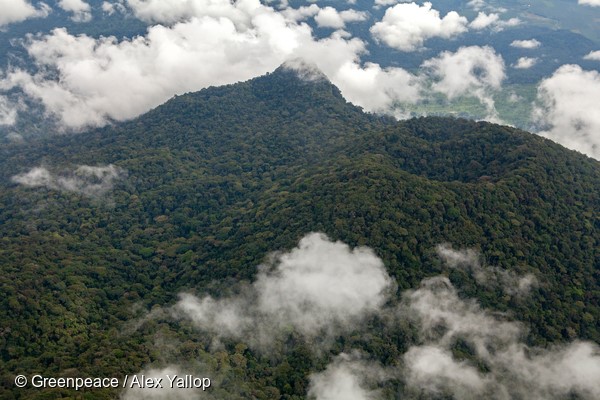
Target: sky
[83,80]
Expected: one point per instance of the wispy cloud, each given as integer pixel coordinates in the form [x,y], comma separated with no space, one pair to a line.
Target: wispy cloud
[511,368]
[324,287]
[87,180]
[489,276]
[348,377]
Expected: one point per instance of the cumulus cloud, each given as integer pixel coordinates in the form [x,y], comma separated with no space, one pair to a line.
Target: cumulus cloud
[512,369]
[87,180]
[301,13]
[377,88]
[110,8]
[525,63]
[84,81]
[347,377]
[474,71]
[317,288]
[593,55]
[82,11]
[526,44]
[468,260]
[329,17]
[492,21]
[172,11]
[568,109]
[20,10]
[593,3]
[407,26]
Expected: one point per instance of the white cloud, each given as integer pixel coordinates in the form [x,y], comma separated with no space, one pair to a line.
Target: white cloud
[329,17]
[512,369]
[321,285]
[433,368]
[593,3]
[568,108]
[172,11]
[474,71]
[492,21]
[86,180]
[477,4]
[82,11]
[406,26]
[526,44]
[110,8]
[525,63]
[300,13]
[345,378]
[20,10]
[318,288]
[376,88]
[164,391]
[321,282]
[489,276]
[484,20]
[8,112]
[85,81]
[593,55]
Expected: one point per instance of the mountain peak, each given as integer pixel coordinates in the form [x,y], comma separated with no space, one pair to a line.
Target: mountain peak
[304,70]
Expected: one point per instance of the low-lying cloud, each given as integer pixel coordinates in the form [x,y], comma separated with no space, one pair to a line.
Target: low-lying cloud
[348,377]
[500,365]
[568,109]
[473,71]
[86,180]
[326,288]
[488,276]
[319,288]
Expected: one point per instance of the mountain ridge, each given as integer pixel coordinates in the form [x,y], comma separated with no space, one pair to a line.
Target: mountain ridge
[218,179]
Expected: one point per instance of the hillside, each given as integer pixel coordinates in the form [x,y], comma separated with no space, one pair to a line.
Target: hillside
[195,194]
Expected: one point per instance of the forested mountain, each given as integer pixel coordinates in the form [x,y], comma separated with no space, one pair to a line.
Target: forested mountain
[101,228]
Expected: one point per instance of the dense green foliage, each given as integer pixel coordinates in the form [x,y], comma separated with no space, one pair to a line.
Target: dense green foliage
[218,179]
